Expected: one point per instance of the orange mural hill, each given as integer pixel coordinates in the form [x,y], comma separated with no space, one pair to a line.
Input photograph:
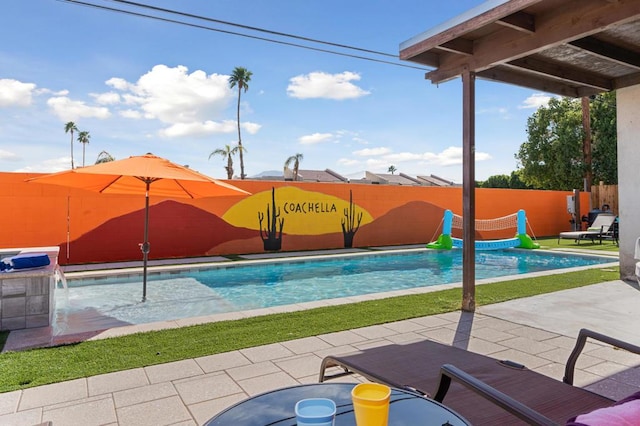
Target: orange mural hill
[175,230]
[277,216]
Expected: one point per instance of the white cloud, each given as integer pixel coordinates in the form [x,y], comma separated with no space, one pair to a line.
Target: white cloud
[448,157]
[348,162]
[451,156]
[315,138]
[45,91]
[198,129]
[328,86]
[119,83]
[206,128]
[8,156]
[186,102]
[371,152]
[252,128]
[130,99]
[172,95]
[70,110]
[130,113]
[535,101]
[360,140]
[408,156]
[48,166]
[15,93]
[109,98]
[501,111]
[377,163]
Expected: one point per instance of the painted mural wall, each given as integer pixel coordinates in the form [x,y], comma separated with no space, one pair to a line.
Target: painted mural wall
[278,216]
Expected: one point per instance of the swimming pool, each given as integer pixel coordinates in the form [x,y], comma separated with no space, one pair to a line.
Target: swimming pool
[231,287]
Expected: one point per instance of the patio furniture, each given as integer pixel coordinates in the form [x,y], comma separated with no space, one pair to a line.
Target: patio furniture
[417,366]
[277,407]
[599,229]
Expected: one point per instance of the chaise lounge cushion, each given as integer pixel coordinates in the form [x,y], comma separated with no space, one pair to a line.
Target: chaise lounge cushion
[623,412]
[27,260]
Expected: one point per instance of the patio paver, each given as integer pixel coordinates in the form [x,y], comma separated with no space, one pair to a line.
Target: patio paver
[189,392]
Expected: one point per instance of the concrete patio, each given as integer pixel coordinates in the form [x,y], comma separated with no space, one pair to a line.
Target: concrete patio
[537,331]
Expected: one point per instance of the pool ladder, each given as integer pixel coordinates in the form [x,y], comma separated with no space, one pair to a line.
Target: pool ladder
[59,277]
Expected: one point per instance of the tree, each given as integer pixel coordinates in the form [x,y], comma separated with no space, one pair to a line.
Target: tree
[392,169]
[227,152]
[70,127]
[295,159]
[240,77]
[104,157]
[496,181]
[605,141]
[515,182]
[83,138]
[552,157]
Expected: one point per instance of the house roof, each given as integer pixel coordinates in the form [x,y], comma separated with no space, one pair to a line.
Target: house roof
[572,48]
[326,175]
[391,179]
[434,180]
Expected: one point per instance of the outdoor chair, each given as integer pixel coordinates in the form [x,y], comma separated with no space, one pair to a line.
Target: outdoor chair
[488,391]
[599,229]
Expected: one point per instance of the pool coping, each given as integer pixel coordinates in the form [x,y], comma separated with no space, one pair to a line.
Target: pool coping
[42,337]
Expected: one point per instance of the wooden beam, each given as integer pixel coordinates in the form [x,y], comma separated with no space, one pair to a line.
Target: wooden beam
[428,58]
[520,21]
[627,80]
[572,20]
[459,30]
[513,76]
[468,192]
[608,51]
[563,72]
[459,45]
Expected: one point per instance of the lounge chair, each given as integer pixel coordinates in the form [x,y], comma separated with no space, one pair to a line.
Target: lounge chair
[599,229]
[417,366]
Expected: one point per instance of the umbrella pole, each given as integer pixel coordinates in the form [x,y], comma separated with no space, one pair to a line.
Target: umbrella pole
[145,245]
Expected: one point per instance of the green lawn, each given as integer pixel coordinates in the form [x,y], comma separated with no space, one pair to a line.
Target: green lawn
[41,366]
[553,243]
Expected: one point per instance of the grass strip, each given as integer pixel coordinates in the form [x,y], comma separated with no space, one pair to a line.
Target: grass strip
[50,365]
[556,243]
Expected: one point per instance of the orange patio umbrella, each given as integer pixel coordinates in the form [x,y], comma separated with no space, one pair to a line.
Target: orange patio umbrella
[138,174]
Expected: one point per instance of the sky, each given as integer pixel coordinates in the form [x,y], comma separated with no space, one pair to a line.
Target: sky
[140,85]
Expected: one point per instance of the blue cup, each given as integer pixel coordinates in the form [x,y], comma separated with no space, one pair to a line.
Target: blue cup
[315,412]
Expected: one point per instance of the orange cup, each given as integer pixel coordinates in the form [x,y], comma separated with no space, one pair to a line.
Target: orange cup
[371,404]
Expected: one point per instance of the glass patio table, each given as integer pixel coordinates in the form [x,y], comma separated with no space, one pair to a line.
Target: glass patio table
[277,408]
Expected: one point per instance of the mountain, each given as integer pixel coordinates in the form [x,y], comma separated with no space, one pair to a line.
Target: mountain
[269,173]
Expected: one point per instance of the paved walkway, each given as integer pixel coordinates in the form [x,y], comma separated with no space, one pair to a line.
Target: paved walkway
[537,331]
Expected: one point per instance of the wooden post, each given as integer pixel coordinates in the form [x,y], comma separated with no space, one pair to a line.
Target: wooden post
[468,192]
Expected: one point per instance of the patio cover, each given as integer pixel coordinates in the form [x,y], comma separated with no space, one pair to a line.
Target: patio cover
[574,48]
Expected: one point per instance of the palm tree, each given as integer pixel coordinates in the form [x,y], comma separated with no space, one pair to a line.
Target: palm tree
[295,159]
[392,169]
[228,153]
[83,138]
[105,157]
[71,127]
[240,77]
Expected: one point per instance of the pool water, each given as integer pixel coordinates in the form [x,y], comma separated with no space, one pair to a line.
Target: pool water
[241,288]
